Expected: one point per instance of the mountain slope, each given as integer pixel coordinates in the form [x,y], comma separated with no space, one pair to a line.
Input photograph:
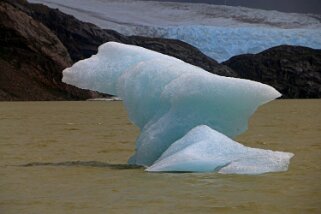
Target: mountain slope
[294,71]
[31,60]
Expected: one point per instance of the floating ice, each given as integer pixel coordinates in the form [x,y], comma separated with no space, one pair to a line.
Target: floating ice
[166,98]
[203,150]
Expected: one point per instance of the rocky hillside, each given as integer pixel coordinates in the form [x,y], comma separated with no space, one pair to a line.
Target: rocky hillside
[31,60]
[294,71]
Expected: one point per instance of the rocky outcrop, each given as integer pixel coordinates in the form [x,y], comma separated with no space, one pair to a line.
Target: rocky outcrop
[294,71]
[31,60]
[183,51]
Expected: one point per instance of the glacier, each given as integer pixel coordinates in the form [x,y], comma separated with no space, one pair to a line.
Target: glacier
[169,99]
[220,32]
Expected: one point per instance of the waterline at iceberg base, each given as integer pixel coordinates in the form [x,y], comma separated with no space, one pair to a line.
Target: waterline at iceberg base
[186,115]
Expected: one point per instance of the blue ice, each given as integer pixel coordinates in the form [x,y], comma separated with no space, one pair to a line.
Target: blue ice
[167,98]
[205,150]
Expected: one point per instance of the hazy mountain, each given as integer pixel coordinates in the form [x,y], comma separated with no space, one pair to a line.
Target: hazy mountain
[298,6]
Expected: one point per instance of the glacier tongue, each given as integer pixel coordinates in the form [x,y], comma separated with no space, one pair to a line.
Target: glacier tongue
[166,98]
[222,43]
[218,31]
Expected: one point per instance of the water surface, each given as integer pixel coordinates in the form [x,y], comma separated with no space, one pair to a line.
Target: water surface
[70,157]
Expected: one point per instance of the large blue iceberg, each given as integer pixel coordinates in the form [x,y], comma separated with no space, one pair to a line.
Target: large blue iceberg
[186,115]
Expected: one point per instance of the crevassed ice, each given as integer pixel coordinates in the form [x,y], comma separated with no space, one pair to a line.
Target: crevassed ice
[166,97]
[218,31]
[222,43]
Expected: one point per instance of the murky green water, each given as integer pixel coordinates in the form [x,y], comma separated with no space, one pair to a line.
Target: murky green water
[74,153]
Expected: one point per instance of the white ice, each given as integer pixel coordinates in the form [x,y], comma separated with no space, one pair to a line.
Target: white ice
[205,150]
[166,97]
[219,31]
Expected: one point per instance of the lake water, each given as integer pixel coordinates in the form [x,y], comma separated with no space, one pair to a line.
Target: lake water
[70,157]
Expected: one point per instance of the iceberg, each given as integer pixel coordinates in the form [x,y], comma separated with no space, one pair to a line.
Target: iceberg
[167,98]
[204,150]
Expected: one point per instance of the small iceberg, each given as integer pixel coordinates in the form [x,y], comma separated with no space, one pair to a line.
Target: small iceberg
[186,115]
[205,150]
